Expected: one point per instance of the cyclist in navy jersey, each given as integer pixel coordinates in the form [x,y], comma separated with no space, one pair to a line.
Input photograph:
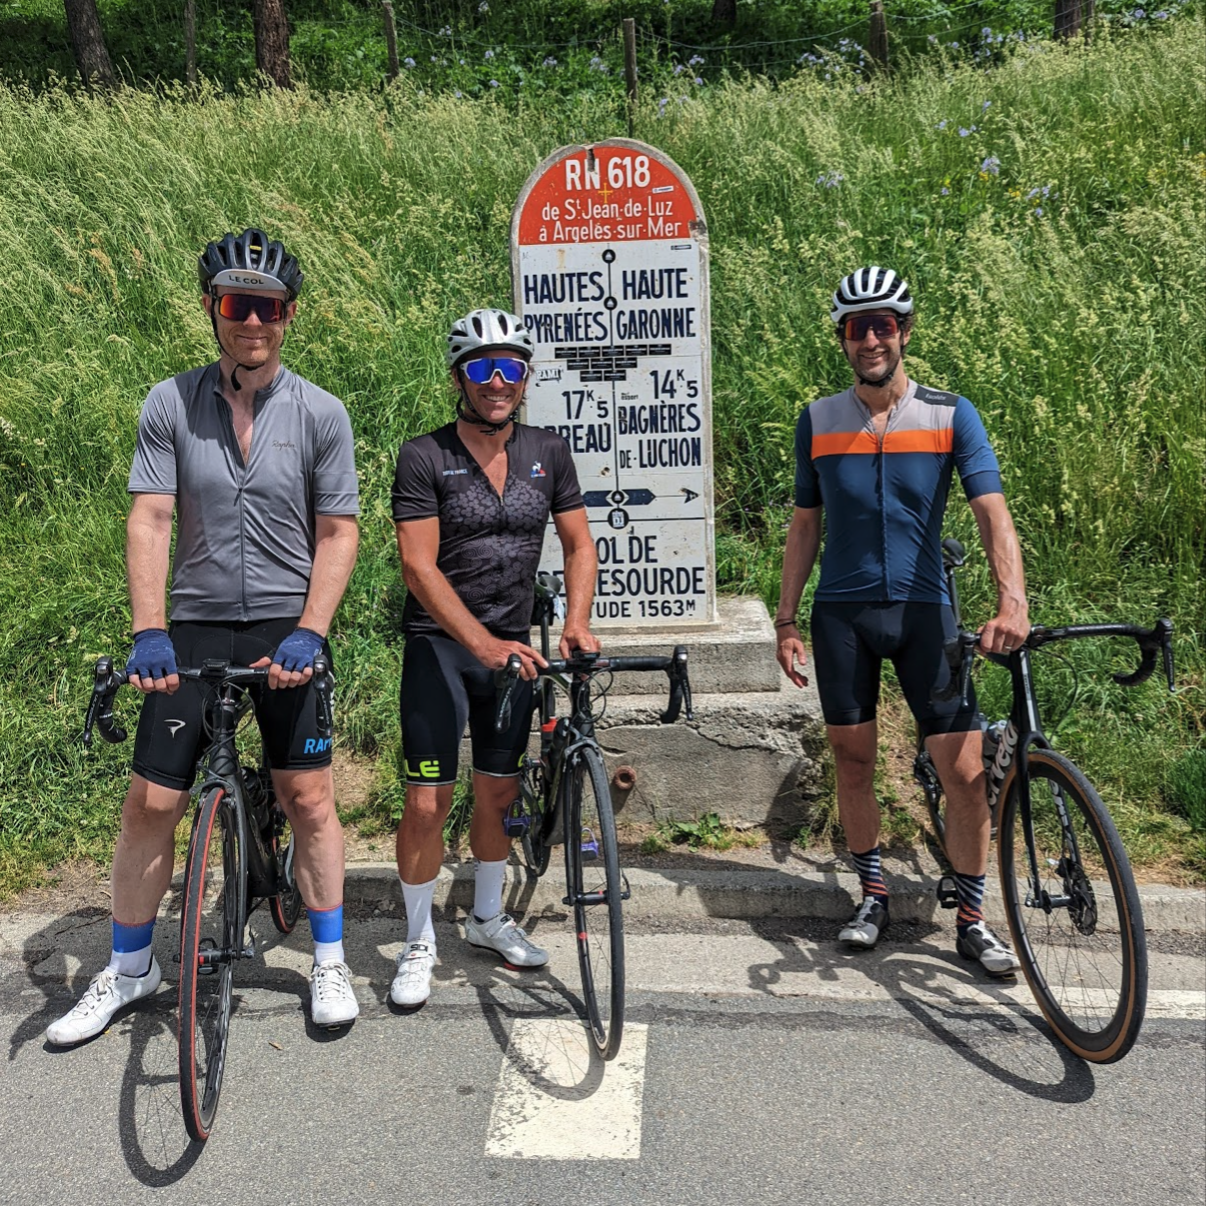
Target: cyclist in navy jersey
[877,460]
[257,466]
[471,501]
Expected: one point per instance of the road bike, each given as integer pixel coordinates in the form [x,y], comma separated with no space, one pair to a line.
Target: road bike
[240,853]
[1069,893]
[565,800]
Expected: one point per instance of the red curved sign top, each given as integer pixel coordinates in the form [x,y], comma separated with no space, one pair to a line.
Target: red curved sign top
[607,193]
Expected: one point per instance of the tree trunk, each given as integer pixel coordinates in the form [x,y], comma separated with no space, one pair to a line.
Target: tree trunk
[272,41]
[1067,18]
[724,12]
[88,43]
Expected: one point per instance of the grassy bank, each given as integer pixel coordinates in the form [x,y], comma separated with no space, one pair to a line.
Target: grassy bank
[1049,215]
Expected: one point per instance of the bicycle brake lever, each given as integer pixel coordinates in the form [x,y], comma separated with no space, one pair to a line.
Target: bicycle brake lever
[504,687]
[100,706]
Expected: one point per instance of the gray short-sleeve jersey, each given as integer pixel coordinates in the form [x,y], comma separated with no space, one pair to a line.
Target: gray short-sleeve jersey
[244,532]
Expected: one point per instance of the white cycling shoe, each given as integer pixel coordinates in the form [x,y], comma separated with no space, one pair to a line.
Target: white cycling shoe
[412,982]
[108,992]
[332,1000]
[501,934]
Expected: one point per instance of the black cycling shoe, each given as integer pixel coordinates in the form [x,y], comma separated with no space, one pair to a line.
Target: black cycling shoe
[982,946]
[867,926]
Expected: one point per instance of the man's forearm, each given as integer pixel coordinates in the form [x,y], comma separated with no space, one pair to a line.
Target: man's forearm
[799,556]
[148,546]
[1004,553]
[334,560]
[581,570]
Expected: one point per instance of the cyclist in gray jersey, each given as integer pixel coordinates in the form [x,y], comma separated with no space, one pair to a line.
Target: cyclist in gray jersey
[257,466]
[471,502]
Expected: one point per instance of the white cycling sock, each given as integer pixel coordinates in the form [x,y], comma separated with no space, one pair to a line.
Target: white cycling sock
[487,889]
[131,963]
[419,898]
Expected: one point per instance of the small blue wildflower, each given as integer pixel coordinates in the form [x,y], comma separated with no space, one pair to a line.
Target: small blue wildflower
[458,94]
[946,192]
[985,105]
[954,45]
[446,32]
[488,55]
[494,83]
[1038,211]
[942,124]
[830,179]
[408,62]
[698,80]
[679,69]
[550,61]
[991,165]
[695,60]
[483,7]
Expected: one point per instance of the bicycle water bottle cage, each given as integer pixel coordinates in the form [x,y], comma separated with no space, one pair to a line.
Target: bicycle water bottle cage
[948,892]
[516,821]
[590,846]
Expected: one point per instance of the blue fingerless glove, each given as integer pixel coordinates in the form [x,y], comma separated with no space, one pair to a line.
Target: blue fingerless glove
[298,650]
[152,656]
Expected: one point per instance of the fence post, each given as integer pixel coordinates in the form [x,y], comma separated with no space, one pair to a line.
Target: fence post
[391,39]
[630,70]
[877,41]
[190,42]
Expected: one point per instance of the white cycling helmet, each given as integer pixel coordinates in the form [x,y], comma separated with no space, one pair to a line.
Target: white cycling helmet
[493,330]
[871,288]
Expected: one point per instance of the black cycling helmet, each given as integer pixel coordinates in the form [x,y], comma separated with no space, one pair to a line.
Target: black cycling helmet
[249,261]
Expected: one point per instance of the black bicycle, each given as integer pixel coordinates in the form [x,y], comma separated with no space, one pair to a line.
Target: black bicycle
[239,855]
[1069,892]
[565,800]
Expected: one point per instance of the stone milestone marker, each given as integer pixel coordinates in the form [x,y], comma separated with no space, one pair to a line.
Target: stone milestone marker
[609,265]
[609,262]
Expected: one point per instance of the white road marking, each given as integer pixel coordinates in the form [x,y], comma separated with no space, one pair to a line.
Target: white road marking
[556,1100]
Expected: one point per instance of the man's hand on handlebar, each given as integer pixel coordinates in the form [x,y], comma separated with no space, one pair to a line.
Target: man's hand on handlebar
[152,662]
[493,654]
[1007,630]
[577,638]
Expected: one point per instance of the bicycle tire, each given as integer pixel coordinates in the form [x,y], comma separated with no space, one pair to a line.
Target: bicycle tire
[596,890]
[286,905]
[535,851]
[209,925]
[1085,963]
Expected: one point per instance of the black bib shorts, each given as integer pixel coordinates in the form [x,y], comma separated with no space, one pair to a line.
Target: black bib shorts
[849,644]
[443,687]
[172,731]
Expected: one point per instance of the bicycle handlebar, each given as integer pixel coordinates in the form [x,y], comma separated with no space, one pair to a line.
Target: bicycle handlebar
[959,651]
[215,671]
[586,664]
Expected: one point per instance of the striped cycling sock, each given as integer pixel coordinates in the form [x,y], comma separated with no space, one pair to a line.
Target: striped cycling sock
[870,874]
[971,900]
[326,927]
[131,955]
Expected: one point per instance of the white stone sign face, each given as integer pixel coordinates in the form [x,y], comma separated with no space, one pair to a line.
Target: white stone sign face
[609,268]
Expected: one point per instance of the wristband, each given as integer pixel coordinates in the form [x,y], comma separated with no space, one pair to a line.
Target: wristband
[784,623]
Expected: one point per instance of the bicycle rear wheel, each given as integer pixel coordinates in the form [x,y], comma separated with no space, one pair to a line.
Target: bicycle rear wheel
[286,905]
[597,892]
[209,942]
[1079,931]
[535,851]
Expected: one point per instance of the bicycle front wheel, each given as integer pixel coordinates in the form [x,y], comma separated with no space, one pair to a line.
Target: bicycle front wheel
[597,892]
[1078,931]
[209,944]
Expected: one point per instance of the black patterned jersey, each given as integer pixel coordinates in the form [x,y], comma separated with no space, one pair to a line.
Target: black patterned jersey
[489,546]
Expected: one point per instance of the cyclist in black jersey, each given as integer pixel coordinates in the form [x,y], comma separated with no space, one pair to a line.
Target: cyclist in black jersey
[878,460]
[471,501]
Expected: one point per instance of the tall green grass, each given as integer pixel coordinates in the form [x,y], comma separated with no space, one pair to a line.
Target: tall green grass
[1073,319]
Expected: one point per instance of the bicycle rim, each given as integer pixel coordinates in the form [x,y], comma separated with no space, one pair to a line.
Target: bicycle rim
[1085,957]
[596,888]
[209,938]
[286,905]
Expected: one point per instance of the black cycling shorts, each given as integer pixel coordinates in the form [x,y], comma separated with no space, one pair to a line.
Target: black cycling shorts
[443,686]
[849,644]
[172,730]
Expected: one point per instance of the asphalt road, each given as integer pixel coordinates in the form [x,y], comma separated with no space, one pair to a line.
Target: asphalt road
[761,1063]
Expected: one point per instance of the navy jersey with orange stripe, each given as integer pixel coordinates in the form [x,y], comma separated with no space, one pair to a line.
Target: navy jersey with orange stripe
[884,497]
